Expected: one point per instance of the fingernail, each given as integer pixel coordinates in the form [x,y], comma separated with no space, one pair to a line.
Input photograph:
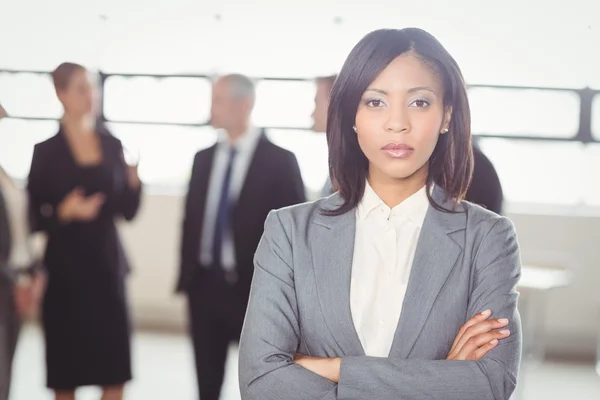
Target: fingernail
[505,332]
[494,342]
[503,321]
[486,312]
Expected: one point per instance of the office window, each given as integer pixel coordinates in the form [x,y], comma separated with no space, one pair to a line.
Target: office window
[284,103]
[311,152]
[539,172]
[166,153]
[29,95]
[17,138]
[542,113]
[167,100]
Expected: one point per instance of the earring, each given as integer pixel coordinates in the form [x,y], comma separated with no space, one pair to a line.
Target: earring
[445,130]
[354,127]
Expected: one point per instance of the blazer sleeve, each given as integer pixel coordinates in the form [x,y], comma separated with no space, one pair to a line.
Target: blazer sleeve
[497,271]
[43,207]
[130,199]
[291,186]
[271,332]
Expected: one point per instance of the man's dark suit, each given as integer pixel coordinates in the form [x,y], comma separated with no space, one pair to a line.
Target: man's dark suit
[217,308]
[485,189]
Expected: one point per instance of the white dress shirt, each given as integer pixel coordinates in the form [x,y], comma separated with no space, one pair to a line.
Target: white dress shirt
[21,253]
[384,249]
[245,147]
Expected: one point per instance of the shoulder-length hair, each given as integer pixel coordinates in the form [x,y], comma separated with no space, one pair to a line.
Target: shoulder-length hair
[450,165]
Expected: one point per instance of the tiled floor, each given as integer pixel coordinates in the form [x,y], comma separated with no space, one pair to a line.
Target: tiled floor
[163,368]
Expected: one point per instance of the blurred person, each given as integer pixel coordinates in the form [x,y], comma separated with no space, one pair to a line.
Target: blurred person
[319,115]
[233,186]
[21,276]
[79,183]
[394,287]
[485,189]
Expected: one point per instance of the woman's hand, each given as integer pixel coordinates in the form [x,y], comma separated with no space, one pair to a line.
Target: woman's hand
[133,178]
[77,207]
[477,337]
[328,368]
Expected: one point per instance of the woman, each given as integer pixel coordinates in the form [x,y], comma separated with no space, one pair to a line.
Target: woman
[78,184]
[21,278]
[386,289]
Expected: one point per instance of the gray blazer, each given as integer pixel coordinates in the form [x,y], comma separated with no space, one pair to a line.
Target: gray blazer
[465,263]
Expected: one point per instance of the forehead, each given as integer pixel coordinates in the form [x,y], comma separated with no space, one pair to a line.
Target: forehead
[221,86]
[405,72]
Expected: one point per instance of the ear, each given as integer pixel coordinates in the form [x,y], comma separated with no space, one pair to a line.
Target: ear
[446,120]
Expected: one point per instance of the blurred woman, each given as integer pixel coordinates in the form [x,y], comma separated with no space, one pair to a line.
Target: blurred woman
[79,184]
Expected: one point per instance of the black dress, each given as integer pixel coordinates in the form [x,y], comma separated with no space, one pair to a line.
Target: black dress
[85,313]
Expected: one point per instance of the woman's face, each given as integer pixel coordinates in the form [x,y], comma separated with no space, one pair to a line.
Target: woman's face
[399,120]
[78,98]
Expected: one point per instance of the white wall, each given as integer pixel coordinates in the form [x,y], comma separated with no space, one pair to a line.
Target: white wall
[572,317]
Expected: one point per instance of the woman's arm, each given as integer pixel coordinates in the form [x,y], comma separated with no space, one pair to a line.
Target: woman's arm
[130,200]
[271,333]
[497,271]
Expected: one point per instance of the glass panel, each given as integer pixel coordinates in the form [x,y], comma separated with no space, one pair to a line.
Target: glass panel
[524,112]
[179,100]
[166,152]
[592,174]
[596,117]
[284,103]
[310,149]
[29,95]
[538,171]
[17,138]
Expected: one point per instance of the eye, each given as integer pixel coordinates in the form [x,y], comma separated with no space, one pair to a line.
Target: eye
[420,103]
[374,103]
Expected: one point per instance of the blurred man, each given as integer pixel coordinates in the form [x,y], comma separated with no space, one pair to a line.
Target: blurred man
[485,188]
[234,185]
[324,85]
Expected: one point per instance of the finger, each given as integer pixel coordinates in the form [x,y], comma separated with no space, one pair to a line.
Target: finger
[477,329]
[473,331]
[483,350]
[478,341]
[482,316]
[77,192]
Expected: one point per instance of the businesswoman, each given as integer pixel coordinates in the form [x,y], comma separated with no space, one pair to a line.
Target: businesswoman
[79,184]
[394,287]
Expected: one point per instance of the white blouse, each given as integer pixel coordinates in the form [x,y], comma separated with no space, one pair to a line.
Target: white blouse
[384,248]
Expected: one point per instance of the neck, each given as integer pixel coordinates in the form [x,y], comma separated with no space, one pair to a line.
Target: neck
[79,125]
[235,133]
[393,191]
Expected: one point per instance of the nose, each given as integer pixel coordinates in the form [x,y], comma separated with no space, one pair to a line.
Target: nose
[397,121]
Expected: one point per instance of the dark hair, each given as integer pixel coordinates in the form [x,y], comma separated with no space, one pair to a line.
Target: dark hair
[62,75]
[450,165]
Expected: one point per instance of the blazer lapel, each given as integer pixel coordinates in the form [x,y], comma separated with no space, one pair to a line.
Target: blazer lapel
[332,253]
[435,257]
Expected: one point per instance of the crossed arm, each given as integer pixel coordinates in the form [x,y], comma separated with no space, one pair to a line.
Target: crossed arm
[271,369]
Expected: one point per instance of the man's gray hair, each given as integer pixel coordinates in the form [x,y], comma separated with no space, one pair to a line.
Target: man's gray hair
[241,86]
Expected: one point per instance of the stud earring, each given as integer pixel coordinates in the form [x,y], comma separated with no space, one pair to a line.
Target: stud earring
[354,127]
[445,130]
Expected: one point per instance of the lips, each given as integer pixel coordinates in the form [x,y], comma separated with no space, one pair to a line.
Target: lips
[397,150]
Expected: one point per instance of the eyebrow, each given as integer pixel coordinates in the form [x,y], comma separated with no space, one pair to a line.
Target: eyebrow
[411,90]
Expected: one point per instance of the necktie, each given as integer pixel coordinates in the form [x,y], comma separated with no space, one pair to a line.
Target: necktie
[223,213]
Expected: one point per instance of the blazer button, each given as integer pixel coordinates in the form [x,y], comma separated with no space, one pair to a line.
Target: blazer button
[46,210]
